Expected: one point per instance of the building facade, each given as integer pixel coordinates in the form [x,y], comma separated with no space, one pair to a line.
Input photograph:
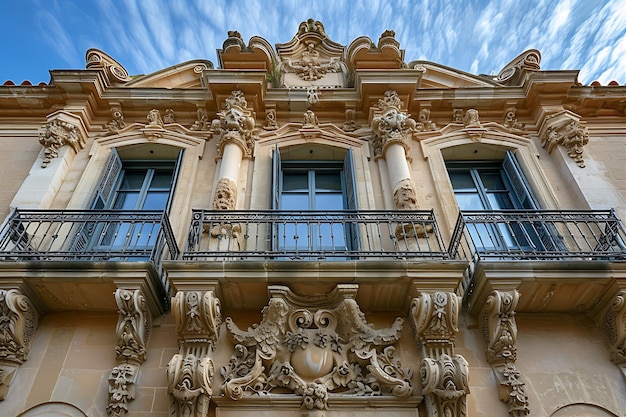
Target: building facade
[312,229]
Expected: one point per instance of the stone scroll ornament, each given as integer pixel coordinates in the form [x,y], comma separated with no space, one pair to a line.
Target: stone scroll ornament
[390,124]
[18,322]
[500,332]
[190,372]
[315,349]
[444,375]
[565,129]
[615,324]
[134,325]
[54,135]
[234,124]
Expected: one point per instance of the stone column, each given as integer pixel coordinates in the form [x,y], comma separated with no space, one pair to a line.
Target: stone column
[18,322]
[190,372]
[444,375]
[500,332]
[133,331]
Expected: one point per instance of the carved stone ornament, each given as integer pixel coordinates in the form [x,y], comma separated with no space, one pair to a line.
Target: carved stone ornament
[18,322]
[404,198]
[169,116]
[424,124]
[510,119]
[117,123]
[57,133]
[350,124]
[154,118]
[225,195]
[315,348]
[565,129]
[310,119]
[311,66]
[270,120]
[190,372]
[390,124]
[513,72]
[113,70]
[134,325]
[202,120]
[472,125]
[446,385]
[500,332]
[435,320]
[234,124]
[615,324]
[312,96]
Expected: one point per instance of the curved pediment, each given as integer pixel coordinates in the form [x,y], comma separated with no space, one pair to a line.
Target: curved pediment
[311,59]
[258,55]
[362,54]
[441,76]
[185,75]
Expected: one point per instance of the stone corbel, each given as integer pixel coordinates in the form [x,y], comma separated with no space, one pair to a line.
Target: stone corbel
[500,332]
[134,325]
[444,375]
[615,324]
[62,128]
[190,372]
[18,322]
[566,129]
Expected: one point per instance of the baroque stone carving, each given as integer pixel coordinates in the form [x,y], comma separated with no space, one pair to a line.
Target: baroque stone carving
[18,322]
[312,96]
[112,69]
[310,66]
[235,124]
[513,72]
[202,120]
[615,324]
[444,375]
[500,332]
[134,325]
[390,124]
[225,195]
[471,119]
[350,124]
[190,372]
[314,348]
[169,116]
[310,119]
[424,124]
[457,116]
[270,120]
[565,128]
[510,119]
[154,118]
[117,123]
[55,134]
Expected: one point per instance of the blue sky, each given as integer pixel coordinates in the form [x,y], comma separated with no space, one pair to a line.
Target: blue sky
[476,36]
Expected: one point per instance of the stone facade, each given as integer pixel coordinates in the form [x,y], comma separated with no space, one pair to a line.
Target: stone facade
[228,300]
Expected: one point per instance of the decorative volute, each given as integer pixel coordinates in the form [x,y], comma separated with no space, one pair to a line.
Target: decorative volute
[311,59]
[113,71]
[313,346]
[363,54]
[515,71]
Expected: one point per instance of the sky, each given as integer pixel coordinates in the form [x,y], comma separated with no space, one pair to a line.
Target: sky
[476,36]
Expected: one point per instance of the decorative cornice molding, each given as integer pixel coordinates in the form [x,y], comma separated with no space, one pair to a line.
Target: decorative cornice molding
[18,322]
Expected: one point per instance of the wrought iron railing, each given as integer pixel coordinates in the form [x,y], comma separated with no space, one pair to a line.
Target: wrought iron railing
[538,234]
[313,235]
[88,235]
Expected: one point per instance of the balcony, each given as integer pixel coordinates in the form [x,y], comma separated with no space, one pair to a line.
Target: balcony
[66,256]
[560,261]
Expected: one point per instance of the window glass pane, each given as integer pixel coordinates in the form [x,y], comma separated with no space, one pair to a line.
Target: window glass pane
[500,200]
[126,200]
[295,201]
[469,201]
[492,180]
[295,181]
[328,181]
[462,181]
[133,180]
[328,201]
[155,200]
[162,179]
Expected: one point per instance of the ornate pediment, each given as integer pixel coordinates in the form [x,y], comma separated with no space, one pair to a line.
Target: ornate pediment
[311,59]
[315,348]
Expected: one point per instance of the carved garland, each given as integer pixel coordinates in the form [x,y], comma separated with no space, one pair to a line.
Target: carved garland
[18,322]
[313,351]
[500,332]
[133,332]
[444,375]
[54,135]
[190,372]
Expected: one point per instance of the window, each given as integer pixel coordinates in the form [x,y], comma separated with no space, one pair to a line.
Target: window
[494,186]
[313,186]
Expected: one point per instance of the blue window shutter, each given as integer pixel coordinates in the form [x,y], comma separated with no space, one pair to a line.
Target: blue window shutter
[106,186]
[519,186]
[348,172]
[276,169]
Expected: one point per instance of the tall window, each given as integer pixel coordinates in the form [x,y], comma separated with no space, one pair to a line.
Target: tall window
[320,186]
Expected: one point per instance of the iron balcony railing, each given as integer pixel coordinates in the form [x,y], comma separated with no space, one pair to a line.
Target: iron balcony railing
[87,235]
[313,235]
[538,234]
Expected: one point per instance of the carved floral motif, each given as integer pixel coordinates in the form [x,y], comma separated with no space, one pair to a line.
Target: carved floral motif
[310,66]
[55,134]
[390,124]
[190,384]
[234,124]
[134,325]
[18,322]
[500,332]
[313,349]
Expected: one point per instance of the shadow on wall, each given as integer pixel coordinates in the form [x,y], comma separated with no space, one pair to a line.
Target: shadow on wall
[582,410]
[53,409]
